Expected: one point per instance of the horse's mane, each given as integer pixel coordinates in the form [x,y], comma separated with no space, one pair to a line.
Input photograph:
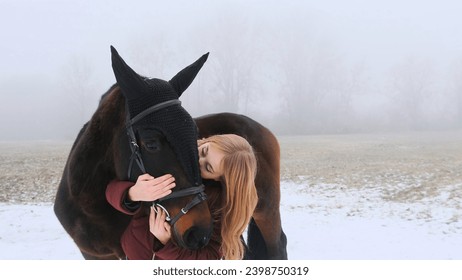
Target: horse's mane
[93,162]
[110,90]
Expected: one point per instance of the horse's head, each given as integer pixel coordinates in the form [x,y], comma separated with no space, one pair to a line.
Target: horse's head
[161,138]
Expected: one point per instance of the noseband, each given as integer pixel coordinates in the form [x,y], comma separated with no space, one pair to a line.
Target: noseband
[200,196]
[136,157]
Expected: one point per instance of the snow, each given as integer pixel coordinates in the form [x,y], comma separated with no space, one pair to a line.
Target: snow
[321,221]
[333,222]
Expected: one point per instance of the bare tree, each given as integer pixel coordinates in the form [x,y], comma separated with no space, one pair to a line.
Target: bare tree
[457,90]
[78,98]
[350,83]
[233,76]
[152,56]
[314,78]
[412,82]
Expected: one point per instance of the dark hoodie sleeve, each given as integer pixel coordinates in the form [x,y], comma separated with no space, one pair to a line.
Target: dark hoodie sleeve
[116,195]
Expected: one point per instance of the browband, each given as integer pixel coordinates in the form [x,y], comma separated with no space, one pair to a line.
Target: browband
[152,110]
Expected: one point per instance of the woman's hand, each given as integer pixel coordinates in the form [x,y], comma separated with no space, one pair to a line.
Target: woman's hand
[148,188]
[158,226]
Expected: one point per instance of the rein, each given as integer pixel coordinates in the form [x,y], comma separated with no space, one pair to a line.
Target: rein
[136,157]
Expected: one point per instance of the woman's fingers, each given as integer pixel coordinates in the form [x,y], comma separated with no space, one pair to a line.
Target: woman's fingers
[152,220]
[168,228]
[162,216]
[158,226]
[161,188]
[166,181]
[163,180]
[145,177]
[156,217]
[158,214]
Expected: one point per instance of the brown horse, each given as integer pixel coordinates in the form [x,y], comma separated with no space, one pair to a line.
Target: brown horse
[140,127]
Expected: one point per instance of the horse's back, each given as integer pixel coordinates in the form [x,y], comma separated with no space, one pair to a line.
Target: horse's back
[261,138]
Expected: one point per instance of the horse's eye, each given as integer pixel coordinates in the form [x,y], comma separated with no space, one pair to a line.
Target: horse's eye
[152,146]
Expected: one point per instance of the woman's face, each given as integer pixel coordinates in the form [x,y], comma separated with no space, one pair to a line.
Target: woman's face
[210,161]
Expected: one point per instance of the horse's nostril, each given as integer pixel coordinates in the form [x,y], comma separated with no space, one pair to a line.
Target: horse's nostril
[196,238]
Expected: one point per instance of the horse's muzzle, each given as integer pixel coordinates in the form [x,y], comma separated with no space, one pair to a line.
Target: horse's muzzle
[196,238]
[192,225]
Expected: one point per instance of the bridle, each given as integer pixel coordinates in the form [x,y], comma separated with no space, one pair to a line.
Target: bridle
[200,196]
[136,157]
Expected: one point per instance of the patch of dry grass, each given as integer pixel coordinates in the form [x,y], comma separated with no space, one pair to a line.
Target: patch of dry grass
[405,167]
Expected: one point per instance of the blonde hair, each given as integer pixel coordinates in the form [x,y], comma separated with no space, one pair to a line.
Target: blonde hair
[239,166]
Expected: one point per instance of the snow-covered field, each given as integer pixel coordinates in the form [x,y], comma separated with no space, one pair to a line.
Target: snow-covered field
[330,222]
[379,232]
[339,225]
[343,197]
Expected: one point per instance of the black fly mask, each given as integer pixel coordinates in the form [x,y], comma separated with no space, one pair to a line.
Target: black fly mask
[173,121]
[154,103]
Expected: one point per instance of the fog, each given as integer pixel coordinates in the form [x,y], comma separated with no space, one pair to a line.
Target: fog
[299,67]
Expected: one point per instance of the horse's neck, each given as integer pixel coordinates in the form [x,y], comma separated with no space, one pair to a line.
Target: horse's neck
[95,144]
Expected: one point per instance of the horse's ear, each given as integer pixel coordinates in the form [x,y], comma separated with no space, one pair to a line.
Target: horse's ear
[133,85]
[184,78]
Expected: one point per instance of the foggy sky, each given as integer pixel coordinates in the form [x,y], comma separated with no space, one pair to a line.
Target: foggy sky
[340,66]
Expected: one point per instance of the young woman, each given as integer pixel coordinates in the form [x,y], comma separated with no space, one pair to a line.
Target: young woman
[226,158]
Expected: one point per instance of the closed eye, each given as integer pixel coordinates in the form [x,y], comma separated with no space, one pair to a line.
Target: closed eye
[204,152]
